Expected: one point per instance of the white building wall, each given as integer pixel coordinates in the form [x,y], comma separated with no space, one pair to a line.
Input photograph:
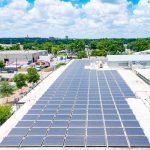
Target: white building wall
[22,56]
[126,64]
[118,64]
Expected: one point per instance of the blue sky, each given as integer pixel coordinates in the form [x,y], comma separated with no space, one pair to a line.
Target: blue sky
[84,1]
[78,19]
[5,2]
[134,1]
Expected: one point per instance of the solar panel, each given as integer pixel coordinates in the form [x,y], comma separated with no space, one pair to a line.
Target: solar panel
[131,124]
[11,141]
[42,123]
[53,141]
[96,141]
[115,131]
[25,124]
[75,141]
[117,141]
[137,141]
[76,131]
[134,131]
[82,108]
[95,124]
[57,131]
[19,131]
[77,124]
[95,131]
[32,141]
[37,131]
[113,124]
[60,124]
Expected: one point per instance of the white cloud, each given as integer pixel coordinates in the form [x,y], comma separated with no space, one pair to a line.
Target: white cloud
[101,18]
[143,8]
[141,18]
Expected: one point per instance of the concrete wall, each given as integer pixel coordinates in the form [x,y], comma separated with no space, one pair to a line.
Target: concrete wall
[23,56]
[19,57]
[125,64]
[43,53]
[118,64]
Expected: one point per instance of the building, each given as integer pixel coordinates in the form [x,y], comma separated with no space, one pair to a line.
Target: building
[22,56]
[146,52]
[46,58]
[78,108]
[63,52]
[127,61]
[52,38]
[66,37]
[127,50]
[7,45]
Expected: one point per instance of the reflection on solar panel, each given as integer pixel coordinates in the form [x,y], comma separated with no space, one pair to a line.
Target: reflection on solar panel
[82,108]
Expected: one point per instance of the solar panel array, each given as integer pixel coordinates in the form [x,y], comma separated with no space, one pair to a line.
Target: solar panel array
[82,108]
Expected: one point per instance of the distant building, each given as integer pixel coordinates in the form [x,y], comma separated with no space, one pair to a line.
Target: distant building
[7,45]
[52,38]
[22,56]
[67,37]
[67,52]
[46,58]
[87,50]
[63,52]
[126,48]
[127,61]
[146,52]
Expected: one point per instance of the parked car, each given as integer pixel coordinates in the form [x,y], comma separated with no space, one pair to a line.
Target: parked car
[38,68]
[10,71]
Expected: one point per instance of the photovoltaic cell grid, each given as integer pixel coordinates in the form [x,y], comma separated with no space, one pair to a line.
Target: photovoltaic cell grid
[82,108]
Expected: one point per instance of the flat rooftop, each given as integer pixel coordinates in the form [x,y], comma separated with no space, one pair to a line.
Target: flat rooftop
[144,72]
[21,52]
[82,108]
[120,58]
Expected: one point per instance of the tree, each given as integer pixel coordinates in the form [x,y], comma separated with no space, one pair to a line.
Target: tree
[93,45]
[55,50]
[29,46]
[20,80]
[112,46]
[6,89]
[139,45]
[1,48]
[81,54]
[98,53]
[15,47]
[5,113]
[33,76]
[2,64]
[47,46]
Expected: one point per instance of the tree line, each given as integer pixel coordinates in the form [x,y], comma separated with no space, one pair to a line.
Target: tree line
[99,47]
